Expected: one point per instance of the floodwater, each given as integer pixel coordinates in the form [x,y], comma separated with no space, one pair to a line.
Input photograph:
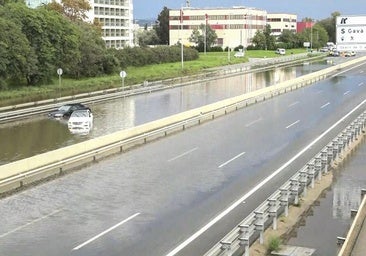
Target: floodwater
[331,216]
[25,138]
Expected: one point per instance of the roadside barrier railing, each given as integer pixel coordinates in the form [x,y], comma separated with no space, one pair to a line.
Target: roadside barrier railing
[238,241]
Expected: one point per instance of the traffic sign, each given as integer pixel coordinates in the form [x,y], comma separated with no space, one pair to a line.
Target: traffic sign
[123,74]
[351,32]
[59,71]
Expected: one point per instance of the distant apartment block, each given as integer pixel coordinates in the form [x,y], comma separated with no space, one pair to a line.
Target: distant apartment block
[233,26]
[280,22]
[115,15]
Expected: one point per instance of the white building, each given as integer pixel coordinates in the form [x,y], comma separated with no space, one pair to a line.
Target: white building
[280,22]
[115,15]
[234,26]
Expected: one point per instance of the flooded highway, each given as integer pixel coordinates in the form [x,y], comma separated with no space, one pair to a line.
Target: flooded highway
[25,138]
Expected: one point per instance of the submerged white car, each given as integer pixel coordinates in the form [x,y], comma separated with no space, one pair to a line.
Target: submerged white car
[80,121]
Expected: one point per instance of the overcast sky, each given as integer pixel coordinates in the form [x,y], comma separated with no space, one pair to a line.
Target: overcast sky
[316,9]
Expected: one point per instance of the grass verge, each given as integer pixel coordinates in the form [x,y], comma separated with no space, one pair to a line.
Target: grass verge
[135,75]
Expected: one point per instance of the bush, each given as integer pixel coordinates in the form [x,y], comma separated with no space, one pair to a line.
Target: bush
[236,49]
[274,244]
[251,47]
[139,57]
[216,49]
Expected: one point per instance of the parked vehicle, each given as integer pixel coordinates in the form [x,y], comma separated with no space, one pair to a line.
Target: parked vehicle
[281,51]
[65,111]
[80,121]
[239,54]
[349,54]
[334,53]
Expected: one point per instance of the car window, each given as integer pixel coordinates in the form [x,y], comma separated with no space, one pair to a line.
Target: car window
[64,108]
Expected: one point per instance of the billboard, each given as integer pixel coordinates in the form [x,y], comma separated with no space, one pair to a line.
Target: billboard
[351,33]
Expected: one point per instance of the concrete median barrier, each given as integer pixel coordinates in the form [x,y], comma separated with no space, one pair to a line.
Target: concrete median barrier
[63,158]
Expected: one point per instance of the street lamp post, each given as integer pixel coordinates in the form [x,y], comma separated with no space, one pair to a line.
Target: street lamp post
[311,35]
[181,37]
[205,35]
[228,38]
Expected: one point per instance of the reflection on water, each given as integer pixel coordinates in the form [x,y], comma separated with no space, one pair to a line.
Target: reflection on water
[332,215]
[37,135]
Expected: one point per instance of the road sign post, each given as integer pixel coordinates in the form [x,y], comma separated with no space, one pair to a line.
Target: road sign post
[59,72]
[123,74]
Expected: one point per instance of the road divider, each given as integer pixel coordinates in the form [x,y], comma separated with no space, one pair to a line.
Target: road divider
[16,175]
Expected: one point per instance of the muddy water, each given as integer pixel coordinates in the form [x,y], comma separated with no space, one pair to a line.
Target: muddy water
[331,215]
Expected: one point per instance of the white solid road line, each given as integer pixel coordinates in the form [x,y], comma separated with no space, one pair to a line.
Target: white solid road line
[346,92]
[105,232]
[258,186]
[30,223]
[253,122]
[326,104]
[183,154]
[232,159]
[360,84]
[292,124]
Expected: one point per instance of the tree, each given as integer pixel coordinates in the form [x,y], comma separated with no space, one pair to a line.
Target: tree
[317,35]
[329,25]
[264,40]
[289,38]
[147,37]
[92,53]
[270,39]
[3,2]
[198,37]
[73,9]
[162,26]
[259,40]
[16,55]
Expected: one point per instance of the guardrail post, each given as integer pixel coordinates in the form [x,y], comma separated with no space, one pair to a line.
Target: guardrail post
[340,145]
[244,242]
[351,132]
[363,121]
[273,212]
[284,199]
[330,153]
[294,190]
[324,160]
[358,127]
[259,225]
[346,139]
[304,180]
[311,173]
[318,167]
[335,148]
[226,247]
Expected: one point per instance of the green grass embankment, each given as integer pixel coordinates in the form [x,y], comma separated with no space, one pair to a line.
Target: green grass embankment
[135,75]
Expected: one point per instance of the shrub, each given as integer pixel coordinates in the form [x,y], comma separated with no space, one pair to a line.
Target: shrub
[216,49]
[274,244]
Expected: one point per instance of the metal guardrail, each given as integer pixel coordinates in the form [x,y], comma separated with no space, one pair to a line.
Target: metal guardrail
[265,215]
